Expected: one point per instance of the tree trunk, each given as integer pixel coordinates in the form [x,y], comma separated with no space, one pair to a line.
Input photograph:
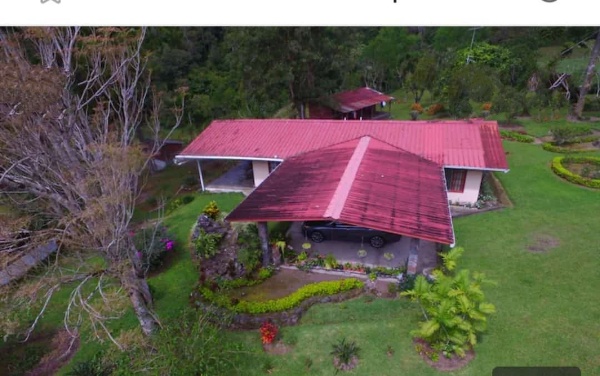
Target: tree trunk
[141,299]
[263,234]
[589,75]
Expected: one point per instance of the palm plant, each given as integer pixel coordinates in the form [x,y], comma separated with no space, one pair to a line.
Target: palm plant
[453,307]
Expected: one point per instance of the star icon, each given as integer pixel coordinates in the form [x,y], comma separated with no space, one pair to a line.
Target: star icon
[45,1]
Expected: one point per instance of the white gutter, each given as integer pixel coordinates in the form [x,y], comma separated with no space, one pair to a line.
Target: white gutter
[181,159]
[478,168]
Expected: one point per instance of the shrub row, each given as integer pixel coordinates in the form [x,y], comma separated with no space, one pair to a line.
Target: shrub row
[291,301]
[516,136]
[564,173]
[558,149]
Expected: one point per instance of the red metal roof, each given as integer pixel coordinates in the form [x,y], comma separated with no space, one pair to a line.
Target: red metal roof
[354,100]
[474,144]
[364,182]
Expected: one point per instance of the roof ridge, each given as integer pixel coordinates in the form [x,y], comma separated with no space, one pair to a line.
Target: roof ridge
[340,195]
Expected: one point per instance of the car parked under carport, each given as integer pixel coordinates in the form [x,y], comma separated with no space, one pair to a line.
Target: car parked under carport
[319,231]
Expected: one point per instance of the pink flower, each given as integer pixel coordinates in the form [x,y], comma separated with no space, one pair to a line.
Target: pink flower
[138,254]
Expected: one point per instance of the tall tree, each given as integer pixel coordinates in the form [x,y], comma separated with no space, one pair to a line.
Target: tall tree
[589,76]
[71,101]
[294,64]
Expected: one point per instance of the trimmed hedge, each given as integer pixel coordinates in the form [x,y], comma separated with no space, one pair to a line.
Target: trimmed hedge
[516,136]
[291,301]
[558,149]
[560,170]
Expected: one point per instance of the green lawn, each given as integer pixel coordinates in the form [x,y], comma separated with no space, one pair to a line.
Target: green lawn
[547,303]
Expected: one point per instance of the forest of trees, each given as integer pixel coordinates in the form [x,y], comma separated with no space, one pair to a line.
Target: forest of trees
[255,72]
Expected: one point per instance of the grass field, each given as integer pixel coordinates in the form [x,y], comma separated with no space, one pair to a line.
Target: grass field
[548,311]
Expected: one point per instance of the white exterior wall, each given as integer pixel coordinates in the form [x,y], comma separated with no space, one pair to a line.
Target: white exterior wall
[260,170]
[471,191]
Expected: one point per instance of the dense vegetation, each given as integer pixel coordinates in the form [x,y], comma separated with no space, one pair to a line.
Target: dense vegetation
[266,72]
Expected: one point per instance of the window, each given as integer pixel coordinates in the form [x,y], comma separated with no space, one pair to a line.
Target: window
[455,180]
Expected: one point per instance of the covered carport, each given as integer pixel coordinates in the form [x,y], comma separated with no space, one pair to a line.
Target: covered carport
[364,182]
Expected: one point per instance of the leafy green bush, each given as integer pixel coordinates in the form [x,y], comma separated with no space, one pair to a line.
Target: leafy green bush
[560,170]
[567,134]
[557,149]
[207,244]
[187,199]
[249,253]
[152,244]
[515,136]
[293,300]
[212,210]
[454,308]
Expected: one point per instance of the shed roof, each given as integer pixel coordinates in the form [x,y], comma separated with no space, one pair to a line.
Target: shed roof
[354,100]
[364,182]
[474,144]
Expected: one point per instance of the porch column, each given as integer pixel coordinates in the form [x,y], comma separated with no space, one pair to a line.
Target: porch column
[200,173]
[263,234]
[413,256]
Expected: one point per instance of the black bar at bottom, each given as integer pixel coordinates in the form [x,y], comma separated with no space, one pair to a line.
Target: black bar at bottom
[536,371]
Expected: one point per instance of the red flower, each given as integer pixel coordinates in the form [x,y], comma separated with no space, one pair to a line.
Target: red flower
[268,332]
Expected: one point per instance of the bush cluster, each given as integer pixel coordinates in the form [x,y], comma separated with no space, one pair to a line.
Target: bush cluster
[548,146]
[291,301]
[207,244]
[416,107]
[152,244]
[435,109]
[560,170]
[568,134]
[516,136]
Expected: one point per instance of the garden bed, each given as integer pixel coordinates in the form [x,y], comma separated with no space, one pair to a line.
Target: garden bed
[561,166]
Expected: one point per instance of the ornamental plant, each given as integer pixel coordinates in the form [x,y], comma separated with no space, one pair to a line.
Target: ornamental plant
[211,210]
[152,244]
[268,332]
[417,107]
[454,307]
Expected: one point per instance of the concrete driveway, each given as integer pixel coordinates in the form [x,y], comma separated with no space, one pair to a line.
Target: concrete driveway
[345,251]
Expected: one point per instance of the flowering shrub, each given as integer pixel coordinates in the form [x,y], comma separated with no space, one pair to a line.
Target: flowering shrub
[268,332]
[416,107]
[152,244]
[435,108]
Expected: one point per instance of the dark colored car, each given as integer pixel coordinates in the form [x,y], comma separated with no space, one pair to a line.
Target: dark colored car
[318,231]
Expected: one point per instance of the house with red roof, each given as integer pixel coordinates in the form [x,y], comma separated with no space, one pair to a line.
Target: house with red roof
[394,176]
[358,104]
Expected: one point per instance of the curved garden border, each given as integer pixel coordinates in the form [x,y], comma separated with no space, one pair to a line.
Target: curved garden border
[254,321]
[560,170]
[558,149]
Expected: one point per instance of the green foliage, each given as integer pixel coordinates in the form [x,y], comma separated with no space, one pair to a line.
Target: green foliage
[390,52]
[207,244]
[516,136]
[96,366]
[330,261]
[345,351]
[302,256]
[187,199]
[566,135]
[152,243]
[190,345]
[560,170]
[190,181]
[548,146]
[212,210]
[249,253]
[407,282]
[315,289]
[453,305]
[510,101]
